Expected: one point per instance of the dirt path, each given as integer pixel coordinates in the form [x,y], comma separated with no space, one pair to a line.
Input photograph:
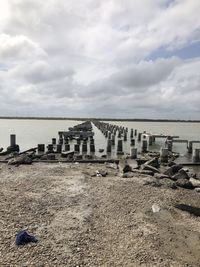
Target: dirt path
[94,221]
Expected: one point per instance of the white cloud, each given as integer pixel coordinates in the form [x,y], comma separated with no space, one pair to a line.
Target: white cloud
[90,56]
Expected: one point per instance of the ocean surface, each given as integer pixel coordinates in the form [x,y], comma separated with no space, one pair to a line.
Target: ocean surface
[29,133]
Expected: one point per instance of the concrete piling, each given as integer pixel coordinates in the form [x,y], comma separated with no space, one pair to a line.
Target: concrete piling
[50,148]
[132,142]
[67,147]
[135,132]
[120,147]
[150,140]
[164,155]
[144,146]
[41,147]
[131,135]
[84,147]
[109,146]
[92,148]
[139,137]
[125,136]
[60,141]
[58,148]
[53,141]
[196,155]
[12,140]
[113,140]
[133,152]
[77,148]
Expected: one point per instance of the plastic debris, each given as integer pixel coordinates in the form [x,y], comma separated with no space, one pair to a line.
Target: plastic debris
[23,238]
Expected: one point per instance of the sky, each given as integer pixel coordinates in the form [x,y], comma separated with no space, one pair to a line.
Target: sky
[100,58]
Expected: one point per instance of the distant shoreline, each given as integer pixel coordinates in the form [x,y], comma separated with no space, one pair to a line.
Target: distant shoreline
[100,119]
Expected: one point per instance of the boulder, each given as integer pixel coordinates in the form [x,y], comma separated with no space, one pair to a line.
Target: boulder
[153,162]
[124,166]
[11,149]
[128,175]
[173,170]
[180,175]
[195,182]
[184,183]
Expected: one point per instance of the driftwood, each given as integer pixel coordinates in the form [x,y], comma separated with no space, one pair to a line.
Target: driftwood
[23,152]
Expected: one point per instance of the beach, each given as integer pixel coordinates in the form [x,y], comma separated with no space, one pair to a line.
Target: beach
[81,219]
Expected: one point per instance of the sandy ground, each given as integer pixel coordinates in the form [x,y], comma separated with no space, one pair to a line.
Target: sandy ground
[94,221]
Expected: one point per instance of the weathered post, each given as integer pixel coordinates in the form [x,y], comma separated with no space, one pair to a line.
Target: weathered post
[120,147]
[135,132]
[150,139]
[131,136]
[41,147]
[113,140]
[92,148]
[58,148]
[144,146]
[164,155]
[84,147]
[133,152]
[125,136]
[67,147]
[132,142]
[190,147]
[53,141]
[77,148]
[109,146]
[139,137]
[12,140]
[196,155]
[50,148]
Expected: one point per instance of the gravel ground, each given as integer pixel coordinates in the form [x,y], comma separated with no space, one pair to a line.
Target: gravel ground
[94,221]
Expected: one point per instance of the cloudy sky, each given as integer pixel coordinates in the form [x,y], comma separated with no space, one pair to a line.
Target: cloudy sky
[100,58]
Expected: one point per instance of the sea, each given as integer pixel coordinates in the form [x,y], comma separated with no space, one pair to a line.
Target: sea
[30,132]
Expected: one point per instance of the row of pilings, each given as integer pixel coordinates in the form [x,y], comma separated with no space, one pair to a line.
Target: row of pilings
[118,141]
[117,136]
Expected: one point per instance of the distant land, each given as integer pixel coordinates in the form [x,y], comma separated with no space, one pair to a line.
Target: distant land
[100,119]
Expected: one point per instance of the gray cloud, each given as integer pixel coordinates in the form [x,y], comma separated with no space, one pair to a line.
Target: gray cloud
[88,58]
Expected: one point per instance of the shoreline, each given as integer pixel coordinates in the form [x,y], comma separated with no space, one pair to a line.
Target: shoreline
[99,119]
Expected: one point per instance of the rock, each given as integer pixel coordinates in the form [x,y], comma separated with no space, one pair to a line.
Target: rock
[68,154]
[184,183]
[124,166]
[150,168]
[11,149]
[101,173]
[195,182]
[161,176]
[49,156]
[153,162]
[22,159]
[1,149]
[173,170]
[155,208]
[197,189]
[180,175]
[128,175]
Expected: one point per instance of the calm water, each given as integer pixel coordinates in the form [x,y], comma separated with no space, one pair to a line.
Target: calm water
[32,132]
